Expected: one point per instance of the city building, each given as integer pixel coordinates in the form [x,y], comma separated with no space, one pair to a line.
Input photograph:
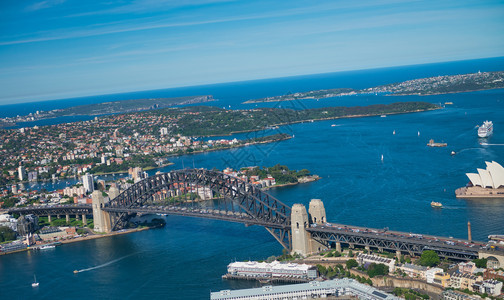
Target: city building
[32,176]
[467,267]
[366,259]
[463,281]
[88,183]
[429,274]
[22,173]
[315,289]
[27,224]
[272,270]
[443,279]
[413,270]
[490,286]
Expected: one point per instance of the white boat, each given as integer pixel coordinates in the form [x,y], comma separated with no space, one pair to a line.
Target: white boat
[486,129]
[383,116]
[393,132]
[35,283]
[45,247]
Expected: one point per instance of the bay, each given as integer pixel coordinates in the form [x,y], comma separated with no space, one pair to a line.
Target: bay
[185,259]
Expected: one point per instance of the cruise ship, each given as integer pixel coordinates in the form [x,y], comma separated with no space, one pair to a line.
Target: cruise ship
[486,129]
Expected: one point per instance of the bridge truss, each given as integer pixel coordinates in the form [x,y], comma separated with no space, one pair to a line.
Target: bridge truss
[191,192]
[383,241]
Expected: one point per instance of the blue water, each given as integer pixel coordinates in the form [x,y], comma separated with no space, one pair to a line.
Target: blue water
[186,259]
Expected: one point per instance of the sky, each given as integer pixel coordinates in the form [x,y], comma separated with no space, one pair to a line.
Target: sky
[55,49]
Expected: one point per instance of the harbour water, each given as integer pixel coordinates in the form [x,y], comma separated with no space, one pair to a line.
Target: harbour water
[185,259]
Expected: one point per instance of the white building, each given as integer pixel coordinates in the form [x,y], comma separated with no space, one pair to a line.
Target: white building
[87,181]
[273,269]
[364,259]
[491,177]
[163,130]
[22,173]
[345,288]
[429,274]
[491,287]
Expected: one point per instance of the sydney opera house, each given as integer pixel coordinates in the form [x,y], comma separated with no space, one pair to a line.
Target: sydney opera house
[487,183]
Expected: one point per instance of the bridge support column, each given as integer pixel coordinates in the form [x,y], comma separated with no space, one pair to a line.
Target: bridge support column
[113,192]
[101,219]
[84,220]
[67,218]
[58,217]
[77,217]
[380,249]
[338,247]
[317,216]
[49,218]
[367,248]
[398,255]
[299,222]
[351,246]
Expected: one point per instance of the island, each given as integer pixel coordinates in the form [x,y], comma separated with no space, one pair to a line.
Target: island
[423,87]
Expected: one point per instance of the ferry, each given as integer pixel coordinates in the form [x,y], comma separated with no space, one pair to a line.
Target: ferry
[486,129]
[436,204]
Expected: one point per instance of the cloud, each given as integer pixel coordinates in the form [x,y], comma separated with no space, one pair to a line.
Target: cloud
[44,4]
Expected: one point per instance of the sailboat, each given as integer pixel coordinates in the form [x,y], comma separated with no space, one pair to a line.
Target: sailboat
[382,157]
[393,132]
[35,283]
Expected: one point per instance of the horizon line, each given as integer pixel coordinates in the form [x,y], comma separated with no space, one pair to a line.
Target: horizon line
[239,81]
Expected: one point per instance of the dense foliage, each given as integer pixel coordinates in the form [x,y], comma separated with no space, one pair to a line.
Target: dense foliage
[7,234]
[217,121]
[429,258]
[281,173]
[480,262]
[377,270]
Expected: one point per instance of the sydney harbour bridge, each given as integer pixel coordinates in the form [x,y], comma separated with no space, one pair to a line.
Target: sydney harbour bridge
[212,194]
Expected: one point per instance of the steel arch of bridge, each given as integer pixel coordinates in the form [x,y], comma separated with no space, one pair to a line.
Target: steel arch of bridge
[263,208]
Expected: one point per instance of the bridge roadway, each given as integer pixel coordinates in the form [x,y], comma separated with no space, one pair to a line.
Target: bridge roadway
[60,209]
[383,239]
[214,214]
[328,233]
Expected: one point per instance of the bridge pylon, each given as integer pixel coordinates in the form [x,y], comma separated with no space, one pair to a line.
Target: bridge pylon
[317,216]
[302,242]
[101,219]
[299,223]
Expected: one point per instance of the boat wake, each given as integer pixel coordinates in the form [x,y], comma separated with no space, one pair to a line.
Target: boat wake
[103,265]
[486,144]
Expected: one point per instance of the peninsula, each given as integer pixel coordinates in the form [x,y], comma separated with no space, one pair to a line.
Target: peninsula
[107,108]
[117,142]
[422,87]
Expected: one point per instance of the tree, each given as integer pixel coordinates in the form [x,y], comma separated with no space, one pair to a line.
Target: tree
[480,262]
[6,234]
[377,270]
[351,263]
[429,258]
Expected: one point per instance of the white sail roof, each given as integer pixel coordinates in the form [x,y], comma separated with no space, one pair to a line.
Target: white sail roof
[492,177]
[497,173]
[486,179]
[474,178]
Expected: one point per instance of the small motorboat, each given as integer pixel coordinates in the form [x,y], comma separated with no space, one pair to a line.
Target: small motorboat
[35,283]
